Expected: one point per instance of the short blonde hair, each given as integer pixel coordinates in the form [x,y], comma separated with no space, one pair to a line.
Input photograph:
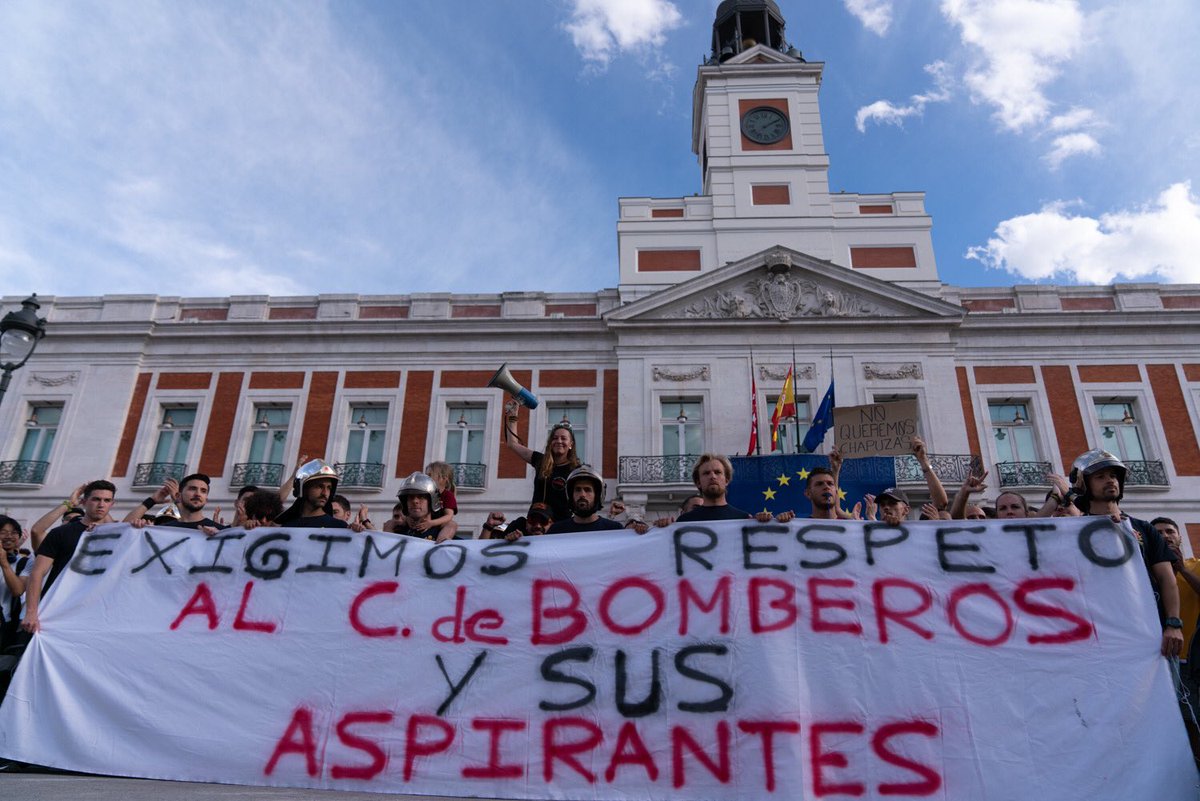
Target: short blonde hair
[712,457]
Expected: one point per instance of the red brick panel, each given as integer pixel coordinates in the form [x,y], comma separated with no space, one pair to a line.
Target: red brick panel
[1109,373]
[410,455]
[293,313]
[469,379]
[314,437]
[137,404]
[770,195]
[184,380]
[1191,372]
[662,261]
[612,402]
[968,407]
[220,424]
[745,105]
[276,380]
[882,208]
[1193,535]
[511,465]
[666,213]
[874,258]
[475,310]
[989,304]
[1181,301]
[1015,374]
[571,309]
[1088,304]
[1176,422]
[382,312]
[372,379]
[567,378]
[204,315]
[1064,411]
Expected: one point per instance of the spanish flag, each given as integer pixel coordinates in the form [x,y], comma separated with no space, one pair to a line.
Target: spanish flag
[785,407]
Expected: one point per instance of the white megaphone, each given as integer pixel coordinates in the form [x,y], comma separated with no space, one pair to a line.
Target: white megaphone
[504,380]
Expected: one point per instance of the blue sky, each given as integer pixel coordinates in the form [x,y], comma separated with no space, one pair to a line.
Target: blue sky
[280,148]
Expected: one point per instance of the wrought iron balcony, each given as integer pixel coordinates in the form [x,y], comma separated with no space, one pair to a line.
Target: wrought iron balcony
[360,474]
[656,469]
[1023,474]
[470,475]
[1146,474]
[949,468]
[23,472]
[153,474]
[258,474]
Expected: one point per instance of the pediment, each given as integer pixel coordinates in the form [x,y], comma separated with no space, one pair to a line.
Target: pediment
[760,54]
[783,285]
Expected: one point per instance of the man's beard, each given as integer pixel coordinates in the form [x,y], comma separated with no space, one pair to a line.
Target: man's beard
[582,508]
[189,507]
[713,491]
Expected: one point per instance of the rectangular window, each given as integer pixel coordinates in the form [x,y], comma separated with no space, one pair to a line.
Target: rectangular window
[1012,431]
[269,438]
[174,434]
[1119,432]
[788,426]
[683,427]
[466,431]
[40,430]
[576,415]
[368,430]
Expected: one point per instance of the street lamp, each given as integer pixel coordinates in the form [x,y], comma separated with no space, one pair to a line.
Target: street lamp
[19,335]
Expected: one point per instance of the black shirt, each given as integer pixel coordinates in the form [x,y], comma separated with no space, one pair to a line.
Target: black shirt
[428,534]
[320,521]
[569,526]
[702,514]
[551,491]
[60,545]
[210,523]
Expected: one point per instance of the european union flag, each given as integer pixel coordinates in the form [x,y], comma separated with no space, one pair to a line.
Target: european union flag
[776,483]
[822,422]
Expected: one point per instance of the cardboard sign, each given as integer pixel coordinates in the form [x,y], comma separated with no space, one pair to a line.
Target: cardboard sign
[722,661]
[877,429]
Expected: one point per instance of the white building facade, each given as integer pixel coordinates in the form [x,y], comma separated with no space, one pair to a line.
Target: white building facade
[712,289]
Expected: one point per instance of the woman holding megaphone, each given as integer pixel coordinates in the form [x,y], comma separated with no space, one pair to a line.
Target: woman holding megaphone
[551,465]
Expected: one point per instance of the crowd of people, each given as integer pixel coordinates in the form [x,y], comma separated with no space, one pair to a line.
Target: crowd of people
[568,497]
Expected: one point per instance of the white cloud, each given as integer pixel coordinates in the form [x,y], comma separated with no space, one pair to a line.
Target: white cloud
[1072,144]
[885,112]
[1073,119]
[602,28]
[1158,241]
[1020,46]
[875,15]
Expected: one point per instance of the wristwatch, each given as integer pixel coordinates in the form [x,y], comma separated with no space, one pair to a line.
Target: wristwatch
[1173,623]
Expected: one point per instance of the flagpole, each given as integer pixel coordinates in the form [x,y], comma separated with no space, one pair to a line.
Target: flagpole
[754,410]
[796,417]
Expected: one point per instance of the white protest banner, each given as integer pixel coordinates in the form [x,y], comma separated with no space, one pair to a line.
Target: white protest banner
[818,659]
[876,429]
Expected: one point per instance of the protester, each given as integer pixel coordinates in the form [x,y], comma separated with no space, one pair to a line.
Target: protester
[314,486]
[260,508]
[343,510]
[69,508]
[552,465]
[586,490]
[239,510]
[893,506]
[59,546]
[418,498]
[1098,479]
[712,475]
[190,495]
[689,503]
[442,474]
[16,569]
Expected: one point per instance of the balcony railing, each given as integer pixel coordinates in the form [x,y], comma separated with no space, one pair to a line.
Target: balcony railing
[1146,474]
[1023,474]
[656,469]
[24,472]
[258,474]
[470,475]
[950,468]
[152,474]
[368,475]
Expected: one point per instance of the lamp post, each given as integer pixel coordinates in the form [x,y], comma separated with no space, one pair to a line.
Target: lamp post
[19,335]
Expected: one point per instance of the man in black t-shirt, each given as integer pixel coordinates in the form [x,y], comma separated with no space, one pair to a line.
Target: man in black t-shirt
[56,550]
[585,488]
[313,487]
[1098,478]
[191,496]
[712,475]
[419,498]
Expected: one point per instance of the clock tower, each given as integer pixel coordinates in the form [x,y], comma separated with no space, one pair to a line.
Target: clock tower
[756,132]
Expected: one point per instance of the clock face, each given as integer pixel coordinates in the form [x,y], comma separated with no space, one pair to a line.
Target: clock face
[765,125]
